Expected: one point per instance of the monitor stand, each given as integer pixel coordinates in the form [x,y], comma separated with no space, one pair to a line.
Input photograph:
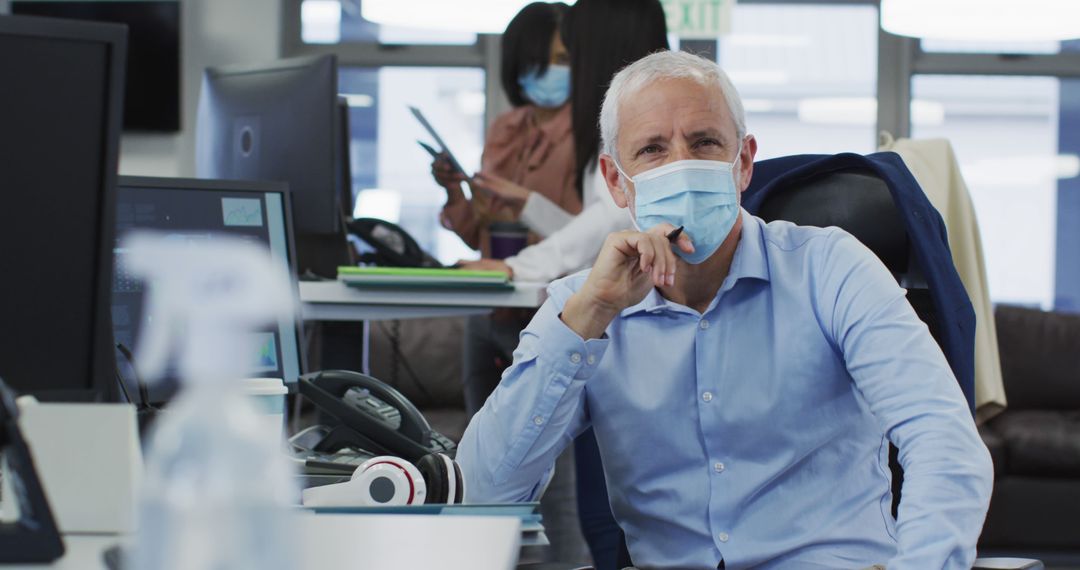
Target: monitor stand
[33,536]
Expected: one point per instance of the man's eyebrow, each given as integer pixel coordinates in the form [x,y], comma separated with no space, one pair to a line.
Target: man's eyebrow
[638,144]
[708,132]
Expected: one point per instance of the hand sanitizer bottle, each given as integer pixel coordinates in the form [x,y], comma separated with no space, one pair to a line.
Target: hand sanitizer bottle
[218,487]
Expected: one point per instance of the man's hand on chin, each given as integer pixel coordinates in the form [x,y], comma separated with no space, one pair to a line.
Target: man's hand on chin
[629,265]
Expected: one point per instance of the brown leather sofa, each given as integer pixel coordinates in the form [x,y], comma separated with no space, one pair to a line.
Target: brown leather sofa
[1035,442]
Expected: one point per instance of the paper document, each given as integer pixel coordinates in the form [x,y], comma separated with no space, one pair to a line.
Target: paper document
[438,140]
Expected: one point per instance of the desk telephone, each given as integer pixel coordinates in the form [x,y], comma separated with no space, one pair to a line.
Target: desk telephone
[374,417]
[404,461]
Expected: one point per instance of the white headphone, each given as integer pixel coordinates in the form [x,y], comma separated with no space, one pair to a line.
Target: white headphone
[390,481]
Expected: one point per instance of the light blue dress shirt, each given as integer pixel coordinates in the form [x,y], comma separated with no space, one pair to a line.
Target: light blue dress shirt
[757,432]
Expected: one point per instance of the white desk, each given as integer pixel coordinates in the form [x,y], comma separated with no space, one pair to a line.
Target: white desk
[369,542]
[335,301]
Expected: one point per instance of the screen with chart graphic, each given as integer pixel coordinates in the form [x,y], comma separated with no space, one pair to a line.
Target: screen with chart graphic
[192,211]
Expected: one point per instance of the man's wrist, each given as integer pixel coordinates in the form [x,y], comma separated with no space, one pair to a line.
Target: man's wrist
[586,317]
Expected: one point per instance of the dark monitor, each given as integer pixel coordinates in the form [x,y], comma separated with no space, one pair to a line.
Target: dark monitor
[280,121]
[61,95]
[200,210]
[345,185]
[152,91]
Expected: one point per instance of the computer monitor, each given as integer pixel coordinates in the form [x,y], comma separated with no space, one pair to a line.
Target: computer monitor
[280,121]
[61,96]
[202,210]
[152,93]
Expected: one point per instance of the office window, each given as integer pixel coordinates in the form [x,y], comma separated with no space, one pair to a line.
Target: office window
[391,173]
[1005,133]
[807,75]
[340,21]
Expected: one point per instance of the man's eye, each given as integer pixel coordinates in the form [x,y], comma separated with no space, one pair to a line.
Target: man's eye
[651,149]
[708,142]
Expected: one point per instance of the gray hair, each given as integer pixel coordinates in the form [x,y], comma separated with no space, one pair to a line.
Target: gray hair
[656,67]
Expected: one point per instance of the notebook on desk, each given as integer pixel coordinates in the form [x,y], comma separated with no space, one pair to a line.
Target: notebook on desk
[423,278]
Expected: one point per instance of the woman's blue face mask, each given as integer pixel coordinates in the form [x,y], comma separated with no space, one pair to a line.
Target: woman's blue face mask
[699,195]
[550,89]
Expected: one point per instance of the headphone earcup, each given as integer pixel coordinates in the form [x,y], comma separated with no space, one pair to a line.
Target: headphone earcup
[433,468]
[379,481]
[459,495]
[443,476]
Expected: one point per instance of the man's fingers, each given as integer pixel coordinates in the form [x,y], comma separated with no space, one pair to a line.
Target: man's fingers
[685,243]
[646,254]
[652,252]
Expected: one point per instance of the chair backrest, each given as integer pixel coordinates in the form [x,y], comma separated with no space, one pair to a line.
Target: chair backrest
[860,203]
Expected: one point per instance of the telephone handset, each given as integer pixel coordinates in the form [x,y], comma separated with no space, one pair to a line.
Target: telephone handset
[393,246]
[374,416]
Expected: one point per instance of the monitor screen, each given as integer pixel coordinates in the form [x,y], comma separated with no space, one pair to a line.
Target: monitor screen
[201,211]
[152,90]
[60,107]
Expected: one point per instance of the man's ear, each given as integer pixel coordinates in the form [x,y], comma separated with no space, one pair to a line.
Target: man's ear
[611,176]
[746,162]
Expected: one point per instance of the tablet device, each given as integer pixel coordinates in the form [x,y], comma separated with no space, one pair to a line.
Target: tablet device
[438,140]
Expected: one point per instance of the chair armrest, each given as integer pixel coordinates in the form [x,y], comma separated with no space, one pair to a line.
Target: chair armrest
[1007,564]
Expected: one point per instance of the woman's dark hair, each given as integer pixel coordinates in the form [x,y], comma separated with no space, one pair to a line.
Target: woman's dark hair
[526,45]
[604,36]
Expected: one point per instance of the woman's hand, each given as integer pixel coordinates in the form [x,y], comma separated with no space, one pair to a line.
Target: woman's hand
[500,189]
[447,177]
[486,265]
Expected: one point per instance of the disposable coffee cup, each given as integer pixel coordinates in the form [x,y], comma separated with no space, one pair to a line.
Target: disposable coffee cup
[267,396]
[507,238]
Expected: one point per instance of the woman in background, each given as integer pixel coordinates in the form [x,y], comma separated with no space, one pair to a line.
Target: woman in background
[530,150]
[527,147]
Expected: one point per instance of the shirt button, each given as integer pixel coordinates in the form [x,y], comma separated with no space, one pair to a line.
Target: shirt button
[538,421]
[707,396]
[723,537]
[591,359]
[703,324]
[575,358]
[719,467]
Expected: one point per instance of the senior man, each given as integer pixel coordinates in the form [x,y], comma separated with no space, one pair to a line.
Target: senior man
[744,382]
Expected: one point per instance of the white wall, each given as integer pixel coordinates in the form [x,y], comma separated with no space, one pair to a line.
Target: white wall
[214,33]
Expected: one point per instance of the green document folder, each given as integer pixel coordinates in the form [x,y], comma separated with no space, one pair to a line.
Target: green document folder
[423,278]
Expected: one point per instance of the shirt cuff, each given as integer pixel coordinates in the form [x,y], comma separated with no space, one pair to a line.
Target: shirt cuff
[566,352]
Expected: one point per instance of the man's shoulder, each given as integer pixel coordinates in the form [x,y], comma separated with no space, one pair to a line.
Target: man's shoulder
[784,236]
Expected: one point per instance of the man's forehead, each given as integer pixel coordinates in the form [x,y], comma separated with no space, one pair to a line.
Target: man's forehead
[661,102]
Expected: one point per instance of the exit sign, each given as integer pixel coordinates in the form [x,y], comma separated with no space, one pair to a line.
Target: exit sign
[698,19]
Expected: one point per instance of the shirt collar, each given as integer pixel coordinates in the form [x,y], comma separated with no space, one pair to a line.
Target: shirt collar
[749,262]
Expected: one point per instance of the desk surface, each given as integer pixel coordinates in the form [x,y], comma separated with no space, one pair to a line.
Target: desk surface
[344,542]
[335,301]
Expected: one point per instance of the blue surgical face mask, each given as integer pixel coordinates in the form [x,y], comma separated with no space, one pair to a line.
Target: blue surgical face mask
[549,90]
[699,195]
